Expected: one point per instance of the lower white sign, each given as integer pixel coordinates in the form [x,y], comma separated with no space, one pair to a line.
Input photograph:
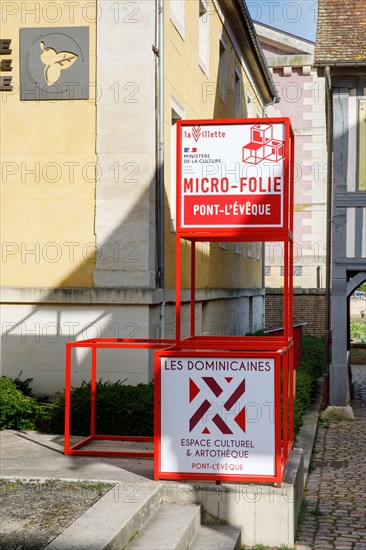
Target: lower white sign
[217,416]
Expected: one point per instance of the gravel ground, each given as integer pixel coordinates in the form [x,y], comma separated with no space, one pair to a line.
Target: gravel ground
[34,512]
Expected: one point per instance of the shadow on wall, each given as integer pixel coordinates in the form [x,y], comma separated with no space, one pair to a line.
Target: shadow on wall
[37,325]
[36,329]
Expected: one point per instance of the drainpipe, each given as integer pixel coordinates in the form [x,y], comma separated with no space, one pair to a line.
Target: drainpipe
[160,168]
[276,99]
[327,327]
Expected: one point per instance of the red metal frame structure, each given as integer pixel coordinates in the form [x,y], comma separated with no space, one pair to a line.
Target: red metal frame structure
[94,345]
[281,344]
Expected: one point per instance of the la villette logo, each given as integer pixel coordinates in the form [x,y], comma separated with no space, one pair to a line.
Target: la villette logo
[196,133]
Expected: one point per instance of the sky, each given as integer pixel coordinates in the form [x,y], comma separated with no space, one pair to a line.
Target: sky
[297,17]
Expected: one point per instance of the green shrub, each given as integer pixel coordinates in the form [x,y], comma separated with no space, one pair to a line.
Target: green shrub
[312,354]
[23,386]
[120,410]
[19,411]
[358,331]
[311,367]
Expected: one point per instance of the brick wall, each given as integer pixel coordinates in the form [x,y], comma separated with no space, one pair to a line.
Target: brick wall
[309,307]
[358,354]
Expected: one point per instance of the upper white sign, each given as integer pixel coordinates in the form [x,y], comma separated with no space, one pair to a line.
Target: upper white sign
[231,175]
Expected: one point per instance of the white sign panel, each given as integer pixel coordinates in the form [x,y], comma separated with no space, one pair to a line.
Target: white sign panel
[232,175]
[217,416]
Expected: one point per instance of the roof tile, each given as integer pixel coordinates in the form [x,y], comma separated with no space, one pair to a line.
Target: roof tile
[341,31]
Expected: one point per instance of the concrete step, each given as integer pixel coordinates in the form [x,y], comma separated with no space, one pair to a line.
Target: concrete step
[216,537]
[171,527]
[113,521]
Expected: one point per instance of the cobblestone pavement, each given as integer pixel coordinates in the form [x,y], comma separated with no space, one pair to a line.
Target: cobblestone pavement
[334,514]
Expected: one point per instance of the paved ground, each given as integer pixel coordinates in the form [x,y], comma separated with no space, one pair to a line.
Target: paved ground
[335,511]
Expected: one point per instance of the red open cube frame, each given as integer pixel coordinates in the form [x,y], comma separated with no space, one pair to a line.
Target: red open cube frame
[95,344]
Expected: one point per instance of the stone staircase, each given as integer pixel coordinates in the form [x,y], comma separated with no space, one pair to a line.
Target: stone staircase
[146,520]
[178,526]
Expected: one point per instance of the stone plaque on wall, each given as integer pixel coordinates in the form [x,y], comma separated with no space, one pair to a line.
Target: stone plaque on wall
[54,63]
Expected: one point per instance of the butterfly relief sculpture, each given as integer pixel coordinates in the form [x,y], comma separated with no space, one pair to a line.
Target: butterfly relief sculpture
[55,63]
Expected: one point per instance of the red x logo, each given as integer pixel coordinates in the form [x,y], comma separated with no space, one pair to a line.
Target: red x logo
[203,408]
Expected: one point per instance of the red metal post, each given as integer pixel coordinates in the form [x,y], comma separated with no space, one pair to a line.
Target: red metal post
[285,411]
[277,418]
[67,399]
[193,286]
[157,413]
[177,287]
[292,173]
[291,400]
[93,389]
[286,298]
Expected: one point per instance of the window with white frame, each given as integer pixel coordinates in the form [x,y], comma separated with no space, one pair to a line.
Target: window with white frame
[250,102]
[203,36]
[177,113]
[177,15]
[223,69]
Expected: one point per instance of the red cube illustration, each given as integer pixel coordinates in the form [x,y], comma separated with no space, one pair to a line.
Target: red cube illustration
[253,153]
[261,133]
[262,146]
[274,150]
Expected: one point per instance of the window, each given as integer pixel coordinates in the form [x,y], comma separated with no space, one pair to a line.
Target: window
[203,36]
[223,70]
[250,101]
[177,113]
[177,15]
[267,270]
[238,94]
[297,271]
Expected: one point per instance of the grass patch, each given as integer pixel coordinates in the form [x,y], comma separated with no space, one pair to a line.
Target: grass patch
[303,510]
[317,512]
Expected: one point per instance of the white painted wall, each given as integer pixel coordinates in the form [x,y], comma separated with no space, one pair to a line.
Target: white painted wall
[36,325]
[34,340]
